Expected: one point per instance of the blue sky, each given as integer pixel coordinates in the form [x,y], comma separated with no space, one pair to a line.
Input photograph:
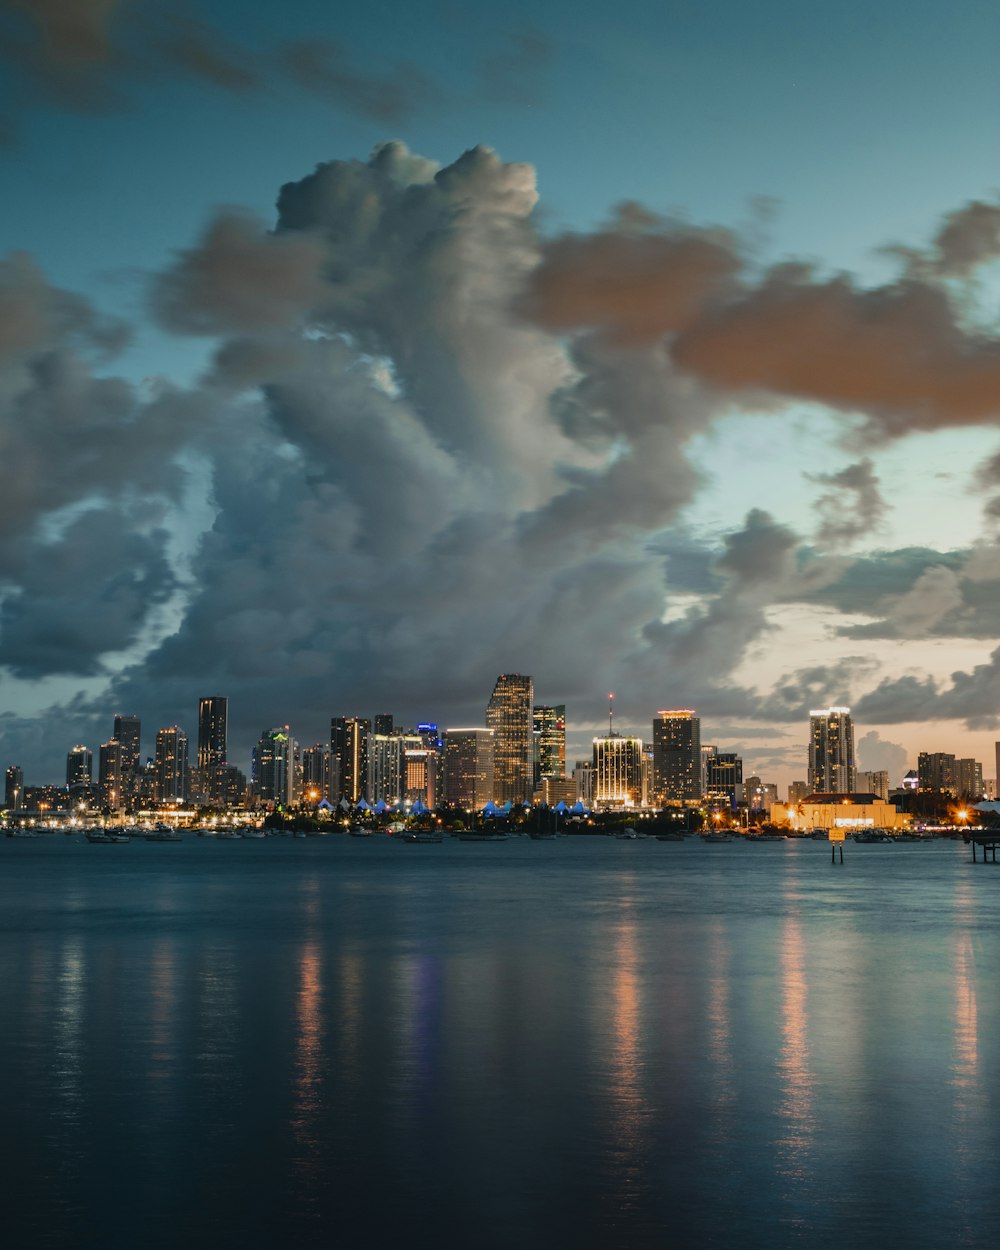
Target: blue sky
[820,135]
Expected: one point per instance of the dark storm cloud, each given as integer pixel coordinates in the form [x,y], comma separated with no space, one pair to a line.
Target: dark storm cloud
[32,313]
[852,508]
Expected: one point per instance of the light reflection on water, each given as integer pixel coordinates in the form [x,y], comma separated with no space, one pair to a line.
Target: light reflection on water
[574,1043]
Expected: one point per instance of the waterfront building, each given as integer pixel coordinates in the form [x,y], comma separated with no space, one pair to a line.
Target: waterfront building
[316,774]
[676,756]
[549,721]
[13,793]
[273,778]
[509,716]
[386,771]
[170,764]
[831,751]
[109,775]
[617,763]
[937,772]
[583,780]
[79,768]
[723,777]
[421,775]
[847,812]
[213,728]
[468,767]
[349,751]
[969,779]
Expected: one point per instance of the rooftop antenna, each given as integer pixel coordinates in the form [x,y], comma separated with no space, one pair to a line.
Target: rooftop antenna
[611,714]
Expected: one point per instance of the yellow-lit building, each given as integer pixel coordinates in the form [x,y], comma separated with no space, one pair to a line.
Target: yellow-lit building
[846,811]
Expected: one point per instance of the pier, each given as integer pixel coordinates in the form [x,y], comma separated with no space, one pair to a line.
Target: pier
[988,841]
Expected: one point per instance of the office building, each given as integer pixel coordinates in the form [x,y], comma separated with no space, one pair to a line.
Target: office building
[617,764]
[723,777]
[583,780]
[468,767]
[79,768]
[797,791]
[549,724]
[128,735]
[213,724]
[421,779]
[274,767]
[509,716]
[109,775]
[831,751]
[316,774]
[384,773]
[383,723]
[170,765]
[349,752]
[676,757]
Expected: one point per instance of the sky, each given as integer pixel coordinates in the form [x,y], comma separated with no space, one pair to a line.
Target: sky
[352,355]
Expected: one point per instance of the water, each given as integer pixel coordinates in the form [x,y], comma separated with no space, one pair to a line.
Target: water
[579,1043]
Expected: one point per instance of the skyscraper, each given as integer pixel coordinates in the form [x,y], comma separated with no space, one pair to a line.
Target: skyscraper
[349,752]
[831,751]
[617,768]
[383,723]
[676,756]
[550,725]
[509,715]
[274,766]
[469,767]
[724,777]
[79,767]
[109,774]
[213,721]
[128,735]
[171,765]
[316,773]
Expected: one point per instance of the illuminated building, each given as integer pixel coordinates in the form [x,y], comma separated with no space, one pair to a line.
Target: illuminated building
[617,771]
[937,772]
[349,750]
[833,811]
[387,765]
[724,777]
[797,791]
[128,734]
[583,778]
[549,724]
[383,723]
[79,768]
[13,795]
[509,716]
[274,767]
[969,776]
[316,775]
[420,775]
[170,765]
[831,751]
[676,756]
[468,767]
[109,775]
[213,717]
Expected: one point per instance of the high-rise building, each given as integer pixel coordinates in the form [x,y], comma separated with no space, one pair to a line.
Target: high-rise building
[969,779]
[170,764]
[937,772]
[724,777]
[876,783]
[468,767]
[213,727]
[583,777]
[831,751]
[617,771]
[549,723]
[509,715]
[274,767]
[79,767]
[386,754]
[421,767]
[109,775]
[676,756]
[316,774]
[349,751]
[797,792]
[383,723]
[128,735]
[13,793]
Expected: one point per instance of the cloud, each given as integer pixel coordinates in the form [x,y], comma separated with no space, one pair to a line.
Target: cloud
[240,278]
[852,509]
[875,753]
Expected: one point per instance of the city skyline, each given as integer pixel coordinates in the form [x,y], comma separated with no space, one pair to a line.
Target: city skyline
[684,384]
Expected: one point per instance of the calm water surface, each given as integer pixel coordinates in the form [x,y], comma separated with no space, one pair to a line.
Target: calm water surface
[578,1043]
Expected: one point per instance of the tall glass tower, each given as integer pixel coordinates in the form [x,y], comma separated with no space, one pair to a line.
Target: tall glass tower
[831,751]
[213,721]
[676,756]
[509,715]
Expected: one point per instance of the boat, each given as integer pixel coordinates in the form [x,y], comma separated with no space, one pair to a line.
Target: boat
[626,834]
[162,833]
[228,835]
[360,831]
[96,835]
[248,831]
[421,835]
[716,837]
